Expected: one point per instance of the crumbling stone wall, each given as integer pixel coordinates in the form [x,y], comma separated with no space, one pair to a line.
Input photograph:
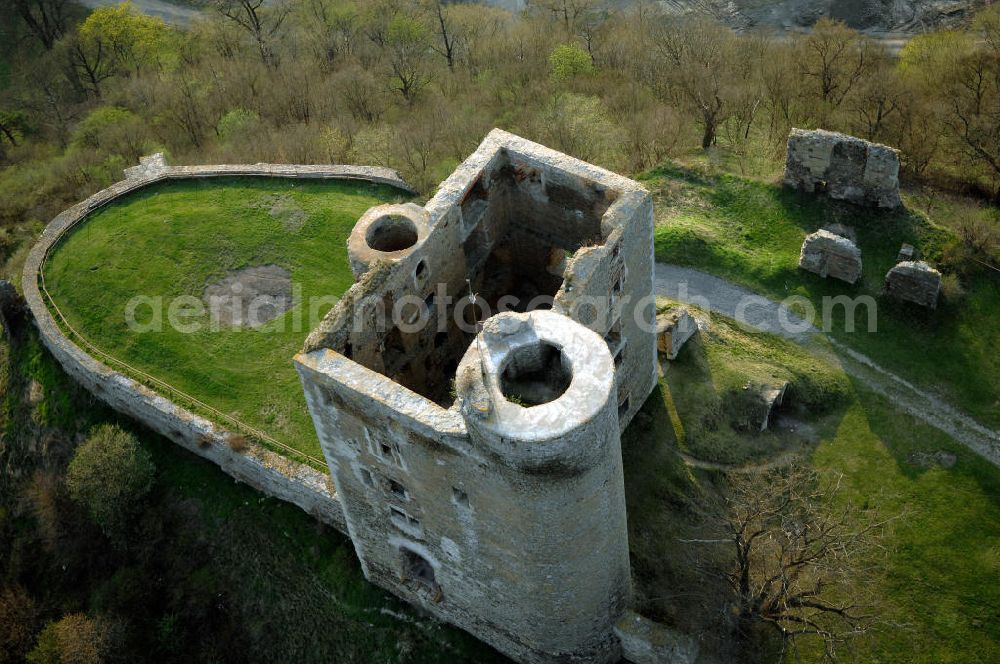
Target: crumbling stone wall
[843,167]
[255,465]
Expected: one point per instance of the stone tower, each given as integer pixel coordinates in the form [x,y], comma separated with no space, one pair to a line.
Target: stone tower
[537,392]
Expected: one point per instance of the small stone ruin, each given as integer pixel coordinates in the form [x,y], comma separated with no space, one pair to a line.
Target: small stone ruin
[843,167]
[673,328]
[906,253]
[914,281]
[830,255]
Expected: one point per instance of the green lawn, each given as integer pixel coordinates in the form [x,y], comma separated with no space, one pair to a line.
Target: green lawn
[750,232]
[168,240]
[940,587]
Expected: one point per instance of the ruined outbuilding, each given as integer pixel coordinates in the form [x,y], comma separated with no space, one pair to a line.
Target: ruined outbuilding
[469,392]
[843,167]
[830,255]
[673,328]
[914,281]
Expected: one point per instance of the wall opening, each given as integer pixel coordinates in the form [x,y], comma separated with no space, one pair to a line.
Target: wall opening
[535,374]
[419,569]
[390,233]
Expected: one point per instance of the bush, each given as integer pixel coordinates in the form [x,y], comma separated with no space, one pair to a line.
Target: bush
[239,124]
[109,475]
[76,639]
[951,288]
[17,624]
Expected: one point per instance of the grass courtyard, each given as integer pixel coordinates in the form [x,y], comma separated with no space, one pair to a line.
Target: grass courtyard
[171,239]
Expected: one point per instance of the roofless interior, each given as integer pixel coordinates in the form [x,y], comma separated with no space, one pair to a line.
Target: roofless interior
[518,229]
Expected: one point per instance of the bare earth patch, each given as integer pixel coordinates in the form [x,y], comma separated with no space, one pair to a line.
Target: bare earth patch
[249,297]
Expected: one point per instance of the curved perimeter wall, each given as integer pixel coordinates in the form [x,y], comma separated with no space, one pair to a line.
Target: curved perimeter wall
[268,472]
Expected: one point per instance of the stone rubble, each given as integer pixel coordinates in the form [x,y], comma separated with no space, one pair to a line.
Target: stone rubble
[830,255]
[914,281]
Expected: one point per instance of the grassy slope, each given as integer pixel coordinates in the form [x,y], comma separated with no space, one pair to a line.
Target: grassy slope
[751,232]
[168,240]
[941,583]
[282,581]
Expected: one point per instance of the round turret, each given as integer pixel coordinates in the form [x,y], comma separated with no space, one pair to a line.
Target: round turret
[386,232]
[537,390]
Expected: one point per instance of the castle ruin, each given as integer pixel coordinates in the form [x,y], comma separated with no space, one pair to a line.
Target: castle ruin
[470,389]
[843,167]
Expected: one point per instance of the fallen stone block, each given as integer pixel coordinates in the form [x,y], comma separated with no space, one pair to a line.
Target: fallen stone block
[647,642]
[826,254]
[843,167]
[914,281]
[673,328]
[906,253]
[771,396]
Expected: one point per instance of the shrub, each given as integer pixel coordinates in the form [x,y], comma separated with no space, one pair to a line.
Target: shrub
[951,288]
[238,443]
[109,475]
[238,124]
[17,624]
[75,639]
[113,131]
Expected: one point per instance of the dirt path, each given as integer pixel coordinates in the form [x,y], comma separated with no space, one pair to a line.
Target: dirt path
[728,299]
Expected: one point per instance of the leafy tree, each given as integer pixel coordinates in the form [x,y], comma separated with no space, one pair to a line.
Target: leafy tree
[834,60]
[114,131]
[567,61]
[109,475]
[237,123]
[972,94]
[129,39]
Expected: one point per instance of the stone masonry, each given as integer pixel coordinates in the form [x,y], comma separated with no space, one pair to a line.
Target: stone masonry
[914,281]
[478,458]
[673,328]
[843,167]
[830,255]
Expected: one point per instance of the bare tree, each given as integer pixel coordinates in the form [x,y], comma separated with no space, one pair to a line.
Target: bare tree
[972,94]
[46,19]
[836,59]
[445,31]
[262,23]
[696,65]
[796,566]
[569,13]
